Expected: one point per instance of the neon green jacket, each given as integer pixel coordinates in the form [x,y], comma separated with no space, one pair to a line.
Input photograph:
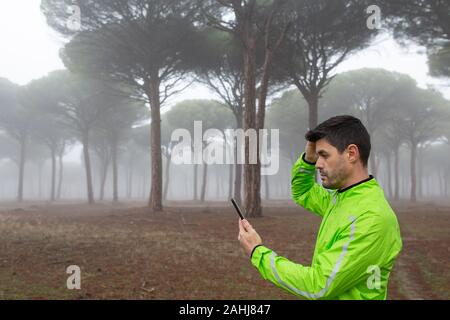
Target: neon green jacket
[357,244]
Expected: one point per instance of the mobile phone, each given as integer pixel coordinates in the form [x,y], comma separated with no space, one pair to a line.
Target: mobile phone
[238,210]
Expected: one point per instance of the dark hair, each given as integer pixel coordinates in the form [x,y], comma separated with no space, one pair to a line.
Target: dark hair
[340,132]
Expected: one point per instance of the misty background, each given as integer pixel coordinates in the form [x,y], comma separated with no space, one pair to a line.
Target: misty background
[76,107]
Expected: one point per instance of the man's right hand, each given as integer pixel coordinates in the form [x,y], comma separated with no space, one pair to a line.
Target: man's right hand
[310,152]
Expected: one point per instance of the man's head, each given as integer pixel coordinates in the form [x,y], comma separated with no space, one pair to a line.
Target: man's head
[342,146]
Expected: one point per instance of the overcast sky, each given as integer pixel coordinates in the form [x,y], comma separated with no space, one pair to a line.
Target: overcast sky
[30,48]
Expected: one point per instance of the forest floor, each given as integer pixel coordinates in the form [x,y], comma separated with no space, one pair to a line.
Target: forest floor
[188,251]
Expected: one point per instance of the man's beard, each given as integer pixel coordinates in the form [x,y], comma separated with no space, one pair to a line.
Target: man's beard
[332,181]
[326,183]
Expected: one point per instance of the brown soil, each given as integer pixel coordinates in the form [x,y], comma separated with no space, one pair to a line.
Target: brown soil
[188,252]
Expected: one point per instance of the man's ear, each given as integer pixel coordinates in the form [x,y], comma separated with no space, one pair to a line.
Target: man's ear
[352,153]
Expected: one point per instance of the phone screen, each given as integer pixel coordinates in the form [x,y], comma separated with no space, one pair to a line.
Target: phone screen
[238,210]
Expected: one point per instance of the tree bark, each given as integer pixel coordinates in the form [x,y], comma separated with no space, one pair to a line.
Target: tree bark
[104,172]
[204,180]
[53,187]
[195,181]
[255,120]
[260,117]
[313,109]
[230,180]
[237,166]
[230,169]
[115,172]
[419,175]
[238,183]
[167,175]
[21,170]
[87,165]
[251,208]
[413,171]
[60,176]
[263,91]
[155,201]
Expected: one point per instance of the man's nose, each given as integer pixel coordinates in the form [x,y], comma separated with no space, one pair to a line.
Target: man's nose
[319,164]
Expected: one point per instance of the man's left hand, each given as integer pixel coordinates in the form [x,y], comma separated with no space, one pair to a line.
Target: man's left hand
[248,237]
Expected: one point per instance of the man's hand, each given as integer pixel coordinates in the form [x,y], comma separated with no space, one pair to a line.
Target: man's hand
[248,237]
[310,152]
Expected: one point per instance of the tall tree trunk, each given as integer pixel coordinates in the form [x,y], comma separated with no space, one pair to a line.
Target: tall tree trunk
[413,171]
[104,173]
[396,173]
[230,168]
[237,166]
[255,120]
[60,176]
[155,201]
[263,91]
[195,181]
[419,174]
[87,165]
[115,172]
[167,175]
[230,181]
[251,208]
[53,187]
[238,183]
[21,170]
[313,110]
[204,180]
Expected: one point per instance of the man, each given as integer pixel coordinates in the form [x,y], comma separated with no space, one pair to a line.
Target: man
[359,237]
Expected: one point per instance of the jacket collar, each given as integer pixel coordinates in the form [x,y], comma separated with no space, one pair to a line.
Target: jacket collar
[356,184]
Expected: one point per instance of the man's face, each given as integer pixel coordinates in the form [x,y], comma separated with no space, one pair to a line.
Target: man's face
[333,166]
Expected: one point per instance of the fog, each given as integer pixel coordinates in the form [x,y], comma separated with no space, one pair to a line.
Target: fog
[51,132]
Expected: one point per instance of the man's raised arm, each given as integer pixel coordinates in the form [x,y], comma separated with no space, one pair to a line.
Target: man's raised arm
[304,189]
